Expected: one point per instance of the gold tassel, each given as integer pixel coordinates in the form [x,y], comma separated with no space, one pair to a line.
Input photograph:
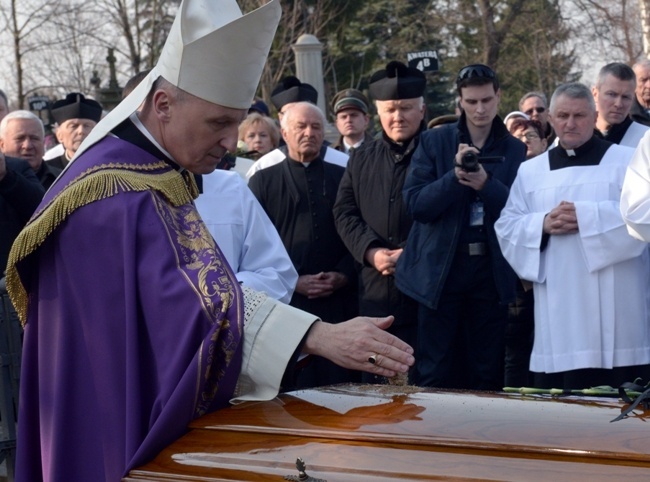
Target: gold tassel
[191,184]
[93,185]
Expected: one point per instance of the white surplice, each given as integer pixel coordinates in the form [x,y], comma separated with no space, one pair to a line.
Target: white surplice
[635,198]
[591,288]
[633,135]
[246,235]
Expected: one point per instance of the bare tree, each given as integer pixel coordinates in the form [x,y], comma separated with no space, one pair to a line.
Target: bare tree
[142,26]
[57,44]
[72,45]
[644,6]
[298,17]
[25,23]
[493,34]
[610,29]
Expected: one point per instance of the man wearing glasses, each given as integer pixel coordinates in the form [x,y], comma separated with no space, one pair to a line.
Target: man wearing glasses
[535,106]
[531,133]
[451,264]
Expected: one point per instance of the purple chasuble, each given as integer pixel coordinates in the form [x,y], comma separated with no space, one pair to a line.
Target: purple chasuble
[134,319]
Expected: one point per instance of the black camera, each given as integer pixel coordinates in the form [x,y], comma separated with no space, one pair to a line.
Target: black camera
[470,161]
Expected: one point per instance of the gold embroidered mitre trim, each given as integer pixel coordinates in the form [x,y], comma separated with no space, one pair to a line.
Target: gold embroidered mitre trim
[97,183]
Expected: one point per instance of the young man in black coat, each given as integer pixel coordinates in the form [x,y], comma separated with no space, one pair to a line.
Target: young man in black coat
[452,264]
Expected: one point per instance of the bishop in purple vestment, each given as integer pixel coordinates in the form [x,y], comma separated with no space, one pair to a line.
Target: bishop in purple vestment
[134,322]
[121,294]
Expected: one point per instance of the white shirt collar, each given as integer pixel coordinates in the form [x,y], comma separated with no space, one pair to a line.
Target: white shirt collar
[138,123]
[347,146]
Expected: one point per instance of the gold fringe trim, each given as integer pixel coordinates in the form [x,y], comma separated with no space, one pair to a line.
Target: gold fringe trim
[93,185]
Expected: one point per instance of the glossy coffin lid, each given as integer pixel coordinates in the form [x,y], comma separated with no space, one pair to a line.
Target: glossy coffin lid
[382,433]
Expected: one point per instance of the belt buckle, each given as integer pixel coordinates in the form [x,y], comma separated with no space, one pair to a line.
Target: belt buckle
[476,249]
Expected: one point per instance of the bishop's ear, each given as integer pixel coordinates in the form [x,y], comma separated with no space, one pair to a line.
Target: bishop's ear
[162,104]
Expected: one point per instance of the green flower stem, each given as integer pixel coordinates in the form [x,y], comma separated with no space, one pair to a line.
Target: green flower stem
[602,391]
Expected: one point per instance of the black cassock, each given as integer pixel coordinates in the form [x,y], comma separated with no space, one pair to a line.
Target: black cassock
[298,199]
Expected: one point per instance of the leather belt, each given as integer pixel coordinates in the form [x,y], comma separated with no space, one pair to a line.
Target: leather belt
[473,249]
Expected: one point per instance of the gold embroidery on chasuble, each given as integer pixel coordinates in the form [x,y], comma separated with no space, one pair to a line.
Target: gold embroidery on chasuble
[198,257]
[205,269]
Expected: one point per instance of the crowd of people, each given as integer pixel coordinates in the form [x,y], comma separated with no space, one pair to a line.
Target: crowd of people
[186,256]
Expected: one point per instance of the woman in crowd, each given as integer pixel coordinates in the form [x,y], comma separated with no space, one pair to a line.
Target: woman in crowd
[529,132]
[259,134]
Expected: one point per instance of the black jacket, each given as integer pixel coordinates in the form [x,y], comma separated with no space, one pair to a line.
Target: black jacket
[639,114]
[58,162]
[369,213]
[47,174]
[440,209]
[20,195]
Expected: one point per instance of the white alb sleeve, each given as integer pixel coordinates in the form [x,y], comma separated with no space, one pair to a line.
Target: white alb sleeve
[272,332]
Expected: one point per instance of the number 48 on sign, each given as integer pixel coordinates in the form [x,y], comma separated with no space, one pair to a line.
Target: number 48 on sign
[426,61]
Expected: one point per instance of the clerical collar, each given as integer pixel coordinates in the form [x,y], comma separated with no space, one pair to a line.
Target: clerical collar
[132,130]
[578,151]
[588,154]
[304,165]
[138,123]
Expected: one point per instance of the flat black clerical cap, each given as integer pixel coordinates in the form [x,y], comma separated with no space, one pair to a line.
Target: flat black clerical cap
[290,89]
[76,106]
[396,82]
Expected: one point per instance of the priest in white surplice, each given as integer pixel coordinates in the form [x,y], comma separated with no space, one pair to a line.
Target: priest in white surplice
[635,199]
[562,229]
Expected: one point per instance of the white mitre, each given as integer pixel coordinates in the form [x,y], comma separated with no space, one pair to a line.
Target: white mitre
[212,51]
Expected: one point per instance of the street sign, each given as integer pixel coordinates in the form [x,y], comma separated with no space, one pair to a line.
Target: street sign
[38,102]
[426,60]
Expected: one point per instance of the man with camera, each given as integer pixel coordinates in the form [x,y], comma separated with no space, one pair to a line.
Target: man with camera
[452,264]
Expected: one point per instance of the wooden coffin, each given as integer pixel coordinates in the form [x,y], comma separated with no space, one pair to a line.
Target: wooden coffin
[381,433]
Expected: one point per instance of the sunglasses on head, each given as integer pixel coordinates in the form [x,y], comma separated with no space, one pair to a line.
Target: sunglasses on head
[475,71]
[539,110]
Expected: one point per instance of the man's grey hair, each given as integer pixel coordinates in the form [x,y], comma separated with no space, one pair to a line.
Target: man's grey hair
[618,70]
[528,95]
[20,114]
[573,90]
[645,63]
[291,108]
